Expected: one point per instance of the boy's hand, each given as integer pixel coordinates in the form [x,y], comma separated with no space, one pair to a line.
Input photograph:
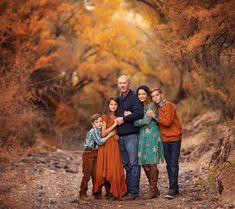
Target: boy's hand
[150,113]
[112,133]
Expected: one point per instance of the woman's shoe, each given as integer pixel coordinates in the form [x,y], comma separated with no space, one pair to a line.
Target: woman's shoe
[85,198]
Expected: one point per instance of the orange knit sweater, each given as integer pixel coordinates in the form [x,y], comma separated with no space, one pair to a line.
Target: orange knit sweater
[168,122]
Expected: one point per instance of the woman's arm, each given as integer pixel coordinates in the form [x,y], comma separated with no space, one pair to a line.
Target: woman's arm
[142,122]
[105,131]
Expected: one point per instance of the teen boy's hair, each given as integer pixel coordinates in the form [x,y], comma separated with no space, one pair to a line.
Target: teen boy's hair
[156,89]
[95,117]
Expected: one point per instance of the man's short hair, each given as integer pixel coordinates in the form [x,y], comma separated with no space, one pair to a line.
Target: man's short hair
[124,76]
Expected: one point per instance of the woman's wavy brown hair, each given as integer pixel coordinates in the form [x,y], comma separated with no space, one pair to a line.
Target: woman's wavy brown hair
[115,99]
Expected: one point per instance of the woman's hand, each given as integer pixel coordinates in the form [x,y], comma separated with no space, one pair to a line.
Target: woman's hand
[120,120]
[126,113]
[150,113]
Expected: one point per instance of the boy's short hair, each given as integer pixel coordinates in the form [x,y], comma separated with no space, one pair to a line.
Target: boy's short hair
[156,89]
[95,117]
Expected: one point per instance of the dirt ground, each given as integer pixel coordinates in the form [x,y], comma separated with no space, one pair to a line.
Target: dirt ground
[46,182]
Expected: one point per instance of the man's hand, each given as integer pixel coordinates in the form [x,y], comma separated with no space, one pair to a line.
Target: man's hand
[120,120]
[126,113]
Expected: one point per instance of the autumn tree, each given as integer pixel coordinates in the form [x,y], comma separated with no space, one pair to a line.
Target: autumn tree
[49,57]
[197,39]
[36,63]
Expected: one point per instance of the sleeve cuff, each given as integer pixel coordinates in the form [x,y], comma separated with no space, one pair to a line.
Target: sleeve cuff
[155,116]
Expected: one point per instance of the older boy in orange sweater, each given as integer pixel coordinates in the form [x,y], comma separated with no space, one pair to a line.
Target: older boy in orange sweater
[171,131]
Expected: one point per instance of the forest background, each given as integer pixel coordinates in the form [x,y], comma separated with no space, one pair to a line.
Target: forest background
[60,60]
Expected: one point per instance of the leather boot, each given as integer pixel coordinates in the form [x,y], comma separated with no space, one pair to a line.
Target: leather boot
[108,194]
[147,171]
[155,174]
[153,190]
[98,195]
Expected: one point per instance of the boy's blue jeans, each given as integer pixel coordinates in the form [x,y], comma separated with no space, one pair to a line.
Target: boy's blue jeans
[129,150]
[171,154]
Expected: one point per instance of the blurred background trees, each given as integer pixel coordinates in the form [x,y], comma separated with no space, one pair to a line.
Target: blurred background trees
[60,59]
[197,38]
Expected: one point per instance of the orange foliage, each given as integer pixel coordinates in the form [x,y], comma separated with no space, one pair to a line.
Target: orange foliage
[59,57]
[199,36]
[64,115]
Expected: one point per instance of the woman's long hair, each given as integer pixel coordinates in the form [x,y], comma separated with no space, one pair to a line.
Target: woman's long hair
[107,111]
[146,89]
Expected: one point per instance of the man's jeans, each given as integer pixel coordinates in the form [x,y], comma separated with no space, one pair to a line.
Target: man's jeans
[171,153]
[129,150]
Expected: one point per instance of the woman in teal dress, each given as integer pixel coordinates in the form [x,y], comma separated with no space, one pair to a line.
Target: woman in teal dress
[150,152]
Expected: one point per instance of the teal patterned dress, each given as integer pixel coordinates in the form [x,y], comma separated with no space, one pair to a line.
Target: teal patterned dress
[150,142]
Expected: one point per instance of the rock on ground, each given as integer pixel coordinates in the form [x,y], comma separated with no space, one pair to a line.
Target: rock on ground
[49,184]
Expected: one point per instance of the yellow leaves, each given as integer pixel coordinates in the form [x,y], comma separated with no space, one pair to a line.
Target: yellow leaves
[105,10]
[64,7]
[148,14]
[106,7]
[137,78]
[119,42]
[165,75]
[45,34]
[46,61]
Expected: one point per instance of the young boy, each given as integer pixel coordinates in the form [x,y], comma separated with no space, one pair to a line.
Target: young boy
[171,132]
[89,156]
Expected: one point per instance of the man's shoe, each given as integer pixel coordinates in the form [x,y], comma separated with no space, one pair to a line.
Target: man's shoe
[85,198]
[171,194]
[130,197]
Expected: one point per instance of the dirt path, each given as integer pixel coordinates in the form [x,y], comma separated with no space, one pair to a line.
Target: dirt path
[49,183]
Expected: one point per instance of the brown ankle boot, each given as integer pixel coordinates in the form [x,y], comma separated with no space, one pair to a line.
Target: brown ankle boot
[107,189]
